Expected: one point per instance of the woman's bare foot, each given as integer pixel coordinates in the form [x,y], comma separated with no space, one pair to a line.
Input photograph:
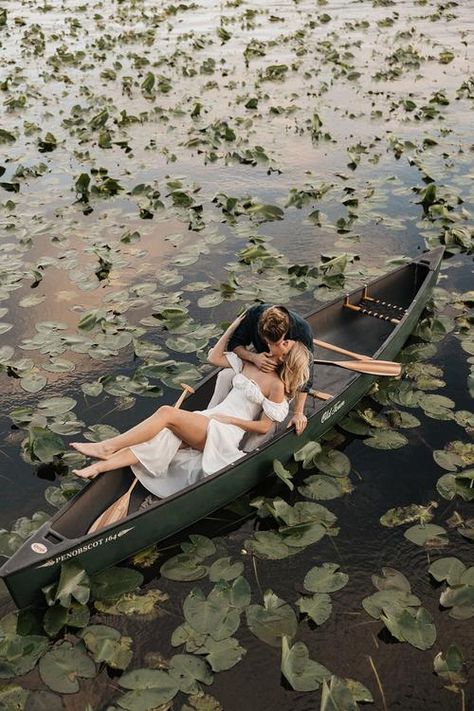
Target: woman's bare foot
[89,472]
[98,450]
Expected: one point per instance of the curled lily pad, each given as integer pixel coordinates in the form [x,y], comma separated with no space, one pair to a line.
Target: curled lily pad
[343,694]
[106,644]
[451,485]
[301,672]
[212,615]
[272,620]
[450,569]
[450,667]
[318,607]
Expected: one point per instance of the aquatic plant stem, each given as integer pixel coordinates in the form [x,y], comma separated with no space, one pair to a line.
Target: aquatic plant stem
[256,575]
[379,683]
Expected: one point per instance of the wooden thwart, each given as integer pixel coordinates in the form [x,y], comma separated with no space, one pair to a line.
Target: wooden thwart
[369,312]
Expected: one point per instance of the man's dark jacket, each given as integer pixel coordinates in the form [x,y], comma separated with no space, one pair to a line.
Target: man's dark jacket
[247,333]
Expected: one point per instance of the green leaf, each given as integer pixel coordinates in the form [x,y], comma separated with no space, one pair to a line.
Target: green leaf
[272,621]
[73,584]
[450,666]
[301,672]
[386,439]
[428,534]
[106,644]
[317,606]
[325,488]
[224,569]
[186,670]
[283,474]
[337,696]
[183,567]
[222,655]
[61,668]
[133,604]
[113,582]
[416,628]
[325,579]
[449,569]
[57,617]
[211,615]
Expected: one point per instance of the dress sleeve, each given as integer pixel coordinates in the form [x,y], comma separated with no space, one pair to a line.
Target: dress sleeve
[276,411]
[234,361]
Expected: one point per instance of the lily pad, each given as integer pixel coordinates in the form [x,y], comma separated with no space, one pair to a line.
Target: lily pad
[318,607]
[301,672]
[428,534]
[273,620]
[106,644]
[113,582]
[61,668]
[325,579]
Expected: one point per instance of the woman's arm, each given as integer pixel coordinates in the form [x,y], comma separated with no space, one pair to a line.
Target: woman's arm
[261,426]
[216,355]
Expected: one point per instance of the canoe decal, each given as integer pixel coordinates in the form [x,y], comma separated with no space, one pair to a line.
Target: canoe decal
[332,410]
[39,548]
[85,548]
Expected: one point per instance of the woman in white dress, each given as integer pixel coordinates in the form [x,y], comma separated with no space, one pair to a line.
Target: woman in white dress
[174,448]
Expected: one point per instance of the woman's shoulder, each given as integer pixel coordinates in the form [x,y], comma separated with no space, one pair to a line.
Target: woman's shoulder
[277,390]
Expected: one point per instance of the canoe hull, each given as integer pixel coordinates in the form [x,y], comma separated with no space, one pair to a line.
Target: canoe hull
[37,563]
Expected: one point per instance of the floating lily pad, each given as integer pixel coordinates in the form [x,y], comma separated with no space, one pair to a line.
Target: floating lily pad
[301,672]
[273,620]
[325,579]
[318,607]
[428,534]
[113,582]
[386,439]
[106,644]
[61,668]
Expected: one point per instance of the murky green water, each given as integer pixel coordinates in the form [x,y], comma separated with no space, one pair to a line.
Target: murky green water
[338,115]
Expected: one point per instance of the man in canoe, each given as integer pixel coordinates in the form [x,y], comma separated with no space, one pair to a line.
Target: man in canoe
[154,448]
[273,331]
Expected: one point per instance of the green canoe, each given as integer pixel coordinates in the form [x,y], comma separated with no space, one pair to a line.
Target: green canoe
[390,307]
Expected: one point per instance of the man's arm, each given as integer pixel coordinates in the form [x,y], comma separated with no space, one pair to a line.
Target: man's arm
[244,335]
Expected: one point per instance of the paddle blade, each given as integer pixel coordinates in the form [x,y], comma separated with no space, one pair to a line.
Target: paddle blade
[371,367]
[115,512]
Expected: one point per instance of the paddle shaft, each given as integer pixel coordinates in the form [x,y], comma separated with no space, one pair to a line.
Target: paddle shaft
[371,367]
[342,351]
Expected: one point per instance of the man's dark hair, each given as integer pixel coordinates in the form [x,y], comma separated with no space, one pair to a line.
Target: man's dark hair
[273,324]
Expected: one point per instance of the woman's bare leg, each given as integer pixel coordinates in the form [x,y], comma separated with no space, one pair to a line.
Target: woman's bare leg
[191,427]
[122,458]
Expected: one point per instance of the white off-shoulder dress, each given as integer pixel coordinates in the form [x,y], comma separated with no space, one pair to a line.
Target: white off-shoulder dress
[163,468]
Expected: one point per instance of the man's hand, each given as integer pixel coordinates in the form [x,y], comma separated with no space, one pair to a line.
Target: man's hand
[264,362]
[299,421]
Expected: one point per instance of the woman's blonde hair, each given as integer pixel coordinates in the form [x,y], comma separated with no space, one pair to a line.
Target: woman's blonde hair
[294,371]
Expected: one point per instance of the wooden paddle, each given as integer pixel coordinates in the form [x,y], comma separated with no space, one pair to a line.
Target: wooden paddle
[342,351]
[119,508]
[372,367]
